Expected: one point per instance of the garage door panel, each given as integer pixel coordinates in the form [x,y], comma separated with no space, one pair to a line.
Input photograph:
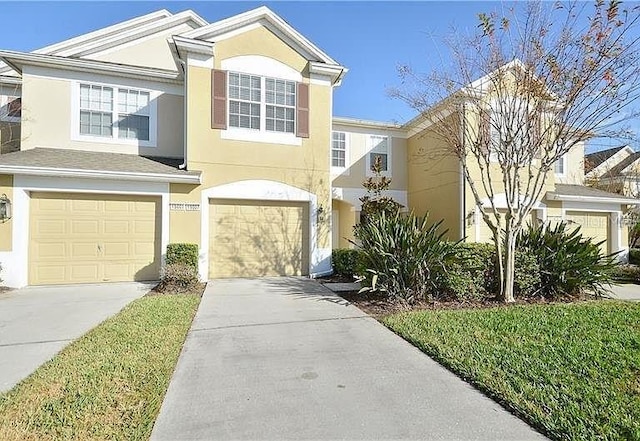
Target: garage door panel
[592,224]
[93,238]
[82,250]
[85,226]
[258,238]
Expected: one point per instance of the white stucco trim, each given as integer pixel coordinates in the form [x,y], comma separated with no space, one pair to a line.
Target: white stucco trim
[100,174]
[319,258]
[15,263]
[261,66]
[353,195]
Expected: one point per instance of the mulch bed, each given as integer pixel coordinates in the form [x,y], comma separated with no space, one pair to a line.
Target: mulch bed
[376,305]
[160,289]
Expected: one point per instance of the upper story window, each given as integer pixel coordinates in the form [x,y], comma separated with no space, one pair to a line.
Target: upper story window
[338,149]
[559,167]
[379,148]
[115,114]
[245,96]
[250,108]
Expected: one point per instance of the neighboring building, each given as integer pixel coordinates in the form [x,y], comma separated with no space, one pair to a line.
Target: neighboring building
[166,128]
[616,170]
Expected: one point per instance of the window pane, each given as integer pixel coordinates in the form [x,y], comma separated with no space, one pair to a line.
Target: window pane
[133,127]
[270,124]
[234,120]
[383,160]
[289,127]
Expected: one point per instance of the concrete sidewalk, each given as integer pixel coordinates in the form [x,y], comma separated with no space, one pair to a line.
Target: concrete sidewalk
[37,322]
[287,359]
[626,291]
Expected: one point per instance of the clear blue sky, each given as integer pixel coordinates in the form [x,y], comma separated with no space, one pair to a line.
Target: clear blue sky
[370,38]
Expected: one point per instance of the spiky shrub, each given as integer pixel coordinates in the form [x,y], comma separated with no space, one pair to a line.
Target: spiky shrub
[404,256]
[570,264]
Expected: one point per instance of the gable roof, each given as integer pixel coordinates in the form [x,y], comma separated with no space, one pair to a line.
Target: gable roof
[271,21]
[571,192]
[118,34]
[16,60]
[76,163]
[620,167]
[593,160]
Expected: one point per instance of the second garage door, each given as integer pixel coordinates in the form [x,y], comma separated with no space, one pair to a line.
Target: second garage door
[258,238]
[82,238]
[593,225]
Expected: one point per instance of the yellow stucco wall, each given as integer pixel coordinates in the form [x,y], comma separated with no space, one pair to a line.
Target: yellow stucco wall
[355,172]
[152,51]
[434,181]
[6,227]
[224,161]
[347,220]
[47,120]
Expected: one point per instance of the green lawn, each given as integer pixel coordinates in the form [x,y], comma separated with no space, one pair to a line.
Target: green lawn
[571,370]
[110,383]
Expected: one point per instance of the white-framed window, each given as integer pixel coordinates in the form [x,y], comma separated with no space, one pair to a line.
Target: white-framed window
[280,98]
[271,111]
[378,148]
[133,114]
[113,114]
[338,149]
[560,166]
[96,110]
[245,97]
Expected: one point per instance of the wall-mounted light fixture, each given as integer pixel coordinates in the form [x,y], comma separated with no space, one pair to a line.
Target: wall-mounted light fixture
[5,208]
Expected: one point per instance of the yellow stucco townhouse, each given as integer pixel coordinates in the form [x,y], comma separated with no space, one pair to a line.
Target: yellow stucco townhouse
[166,128]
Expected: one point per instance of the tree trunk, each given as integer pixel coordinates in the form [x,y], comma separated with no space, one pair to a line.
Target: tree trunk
[509,266]
[500,261]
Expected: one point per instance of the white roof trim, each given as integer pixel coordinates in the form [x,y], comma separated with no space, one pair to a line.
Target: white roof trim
[355,122]
[592,199]
[193,45]
[101,174]
[271,21]
[17,59]
[104,32]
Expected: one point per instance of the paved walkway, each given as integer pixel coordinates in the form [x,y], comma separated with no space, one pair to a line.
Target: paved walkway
[285,358]
[626,291]
[37,322]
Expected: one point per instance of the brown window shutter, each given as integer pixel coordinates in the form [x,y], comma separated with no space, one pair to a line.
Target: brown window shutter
[218,99]
[302,110]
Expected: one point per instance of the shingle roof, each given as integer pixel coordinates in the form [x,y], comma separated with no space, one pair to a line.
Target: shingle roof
[92,161]
[616,170]
[581,190]
[592,160]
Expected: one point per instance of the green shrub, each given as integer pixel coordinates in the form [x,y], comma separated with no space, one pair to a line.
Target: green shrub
[186,253]
[345,261]
[403,255]
[470,276]
[178,278]
[627,273]
[569,263]
[473,275]
[634,256]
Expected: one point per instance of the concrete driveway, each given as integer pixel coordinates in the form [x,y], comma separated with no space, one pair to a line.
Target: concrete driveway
[37,322]
[285,358]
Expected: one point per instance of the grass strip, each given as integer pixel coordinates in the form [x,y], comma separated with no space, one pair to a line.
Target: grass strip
[110,383]
[572,370]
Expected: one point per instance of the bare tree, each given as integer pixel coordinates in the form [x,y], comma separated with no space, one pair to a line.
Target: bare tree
[530,84]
